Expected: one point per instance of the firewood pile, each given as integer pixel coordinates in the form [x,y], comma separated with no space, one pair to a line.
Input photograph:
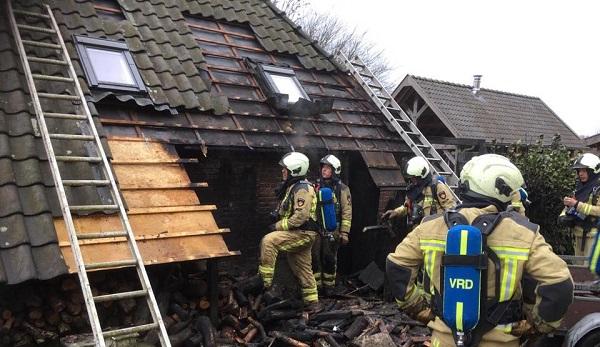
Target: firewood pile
[354,316]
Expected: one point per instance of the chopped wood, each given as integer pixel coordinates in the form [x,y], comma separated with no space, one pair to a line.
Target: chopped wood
[69,284]
[259,326]
[203,304]
[250,335]
[288,340]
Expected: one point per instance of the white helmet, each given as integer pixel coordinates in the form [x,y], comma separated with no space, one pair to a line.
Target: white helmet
[333,161]
[417,167]
[491,175]
[296,163]
[588,161]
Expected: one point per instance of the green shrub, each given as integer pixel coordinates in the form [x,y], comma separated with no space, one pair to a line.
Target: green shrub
[549,177]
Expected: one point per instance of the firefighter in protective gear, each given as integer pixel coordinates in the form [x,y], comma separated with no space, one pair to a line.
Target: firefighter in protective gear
[296,229]
[582,210]
[424,195]
[324,251]
[487,185]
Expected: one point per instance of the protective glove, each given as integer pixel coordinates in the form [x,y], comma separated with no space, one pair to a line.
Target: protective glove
[523,328]
[425,316]
[344,238]
[272,227]
[389,214]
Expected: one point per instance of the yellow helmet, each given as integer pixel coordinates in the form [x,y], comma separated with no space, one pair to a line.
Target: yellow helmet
[492,176]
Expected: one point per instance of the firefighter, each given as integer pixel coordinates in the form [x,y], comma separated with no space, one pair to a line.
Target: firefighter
[514,246]
[420,194]
[324,251]
[295,230]
[582,210]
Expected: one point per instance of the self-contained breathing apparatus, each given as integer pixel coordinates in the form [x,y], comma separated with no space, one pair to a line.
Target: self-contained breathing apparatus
[462,302]
[416,212]
[327,209]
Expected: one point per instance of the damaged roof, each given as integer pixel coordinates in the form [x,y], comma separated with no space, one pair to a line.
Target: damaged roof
[489,114]
[191,56]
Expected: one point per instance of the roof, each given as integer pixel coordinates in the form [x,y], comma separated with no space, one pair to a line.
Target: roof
[593,140]
[199,91]
[491,114]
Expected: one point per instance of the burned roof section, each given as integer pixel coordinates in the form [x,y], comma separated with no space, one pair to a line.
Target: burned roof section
[353,124]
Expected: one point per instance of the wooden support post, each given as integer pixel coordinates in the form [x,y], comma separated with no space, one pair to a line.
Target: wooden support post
[213,290]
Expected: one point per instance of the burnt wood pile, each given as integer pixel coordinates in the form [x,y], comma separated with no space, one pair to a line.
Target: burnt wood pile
[355,315]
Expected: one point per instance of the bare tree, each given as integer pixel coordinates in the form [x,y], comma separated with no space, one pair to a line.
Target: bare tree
[334,36]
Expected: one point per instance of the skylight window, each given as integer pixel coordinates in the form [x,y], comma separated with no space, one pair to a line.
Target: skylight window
[284,81]
[108,64]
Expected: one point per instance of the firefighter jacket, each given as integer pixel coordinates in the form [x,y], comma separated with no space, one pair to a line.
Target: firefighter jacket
[343,204]
[444,200]
[520,249]
[587,228]
[297,210]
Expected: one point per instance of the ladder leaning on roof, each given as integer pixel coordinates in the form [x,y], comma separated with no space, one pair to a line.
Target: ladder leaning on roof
[398,119]
[58,45]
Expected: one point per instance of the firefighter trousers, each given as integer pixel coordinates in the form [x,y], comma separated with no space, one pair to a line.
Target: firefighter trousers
[297,245]
[324,261]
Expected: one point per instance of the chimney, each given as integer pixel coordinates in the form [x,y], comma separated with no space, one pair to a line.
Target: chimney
[476,84]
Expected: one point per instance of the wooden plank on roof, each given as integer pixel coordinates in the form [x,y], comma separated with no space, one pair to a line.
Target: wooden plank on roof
[142,224]
[136,150]
[154,251]
[160,197]
[150,175]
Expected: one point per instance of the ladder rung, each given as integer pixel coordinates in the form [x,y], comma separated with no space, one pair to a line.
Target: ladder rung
[101,235]
[383,97]
[433,159]
[412,133]
[31,14]
[65,116]
[79,159]
[444,173]
[126,331]
[109,264]
[121,296]
[38,29]
[400,120]
[72,137]
[47,61]
[41,44]
[422,146]
[51,78]
[59,96]
[86,182]
[82,208]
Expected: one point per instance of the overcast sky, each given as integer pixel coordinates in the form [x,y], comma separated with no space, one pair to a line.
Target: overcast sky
[549,49]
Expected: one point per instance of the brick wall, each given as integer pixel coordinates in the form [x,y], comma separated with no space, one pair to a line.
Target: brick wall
[241,184]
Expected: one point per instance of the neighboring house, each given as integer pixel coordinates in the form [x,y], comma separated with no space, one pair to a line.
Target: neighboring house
[445,111]
[594,142]
[196,101]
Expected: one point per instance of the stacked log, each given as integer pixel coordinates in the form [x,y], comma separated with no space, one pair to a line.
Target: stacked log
[38,312]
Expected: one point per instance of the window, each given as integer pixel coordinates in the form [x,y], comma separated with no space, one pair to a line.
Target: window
[284,81]
[108,64]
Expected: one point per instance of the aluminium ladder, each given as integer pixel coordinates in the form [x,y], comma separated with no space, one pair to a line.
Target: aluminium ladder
[51,29]
[399,120]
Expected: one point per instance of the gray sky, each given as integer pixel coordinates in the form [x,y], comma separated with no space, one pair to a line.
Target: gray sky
[549,49]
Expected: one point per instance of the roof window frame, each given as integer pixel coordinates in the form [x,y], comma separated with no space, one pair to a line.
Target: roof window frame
[84,42]
[268,70]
